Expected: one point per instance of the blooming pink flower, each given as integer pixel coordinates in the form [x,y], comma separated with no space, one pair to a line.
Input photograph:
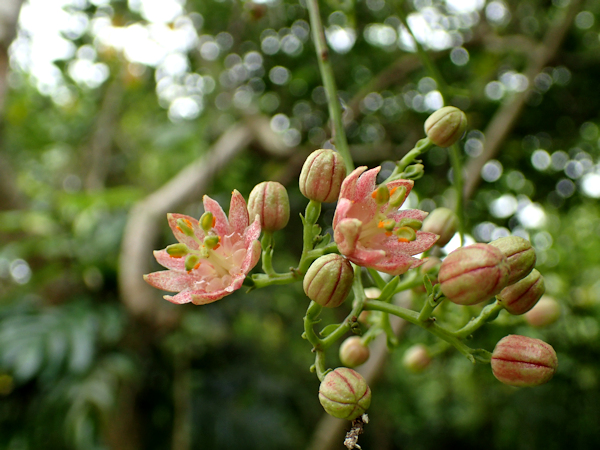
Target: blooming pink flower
[371,235]
[218,269]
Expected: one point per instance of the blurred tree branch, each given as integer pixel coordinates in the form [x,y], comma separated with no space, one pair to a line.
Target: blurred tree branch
[504,119]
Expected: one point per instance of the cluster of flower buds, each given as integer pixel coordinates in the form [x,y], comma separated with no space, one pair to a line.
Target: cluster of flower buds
[322,175]
[502,268]
[328,280]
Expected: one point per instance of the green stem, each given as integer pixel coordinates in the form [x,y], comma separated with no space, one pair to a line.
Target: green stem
[377,278]
[420,147]
[423,55]
[267,253]
[430,304]
[320,364]
[457,176]
[473,355]
[310,319]
[335,110]
[489,313]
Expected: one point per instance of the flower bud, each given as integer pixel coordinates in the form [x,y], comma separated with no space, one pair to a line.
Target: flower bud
[520,297]
[270,201]
[416,358]
[344,394]
[443,222]
[322,175]
[519,254]
[177,250]
[353,352]
[545,312]
[523,361]
[328,280]
[472,274]
[446,126]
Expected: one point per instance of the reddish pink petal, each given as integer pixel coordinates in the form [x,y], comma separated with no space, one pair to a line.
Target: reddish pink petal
[167,261]
[367,256]
[252,257]
[424,241]
[409,214]
[396,264]
[252,232]
[203,298]
[346,235]
[221,223]
[366,185]
[348,188]
[180,299]
[238,212]
[169,280]
[187,240]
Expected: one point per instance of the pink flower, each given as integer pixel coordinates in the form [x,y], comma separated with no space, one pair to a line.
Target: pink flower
[379,236]
[220,257]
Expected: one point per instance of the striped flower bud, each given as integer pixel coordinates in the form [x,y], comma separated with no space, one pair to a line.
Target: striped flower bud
[344,394]
[328,280]
[446,126]
[472,274]
[322,175]
[520,297]
[523,361]
[353,352]
[519,254]
[443,222]
[270,201]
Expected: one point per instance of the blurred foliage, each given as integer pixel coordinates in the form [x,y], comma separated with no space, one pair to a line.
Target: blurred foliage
[78,371]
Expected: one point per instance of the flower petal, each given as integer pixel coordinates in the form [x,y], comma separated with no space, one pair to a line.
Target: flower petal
[346,235]
[238,212]
[348,188]
[169,262]
[366,185]
[169,280]
[221,222]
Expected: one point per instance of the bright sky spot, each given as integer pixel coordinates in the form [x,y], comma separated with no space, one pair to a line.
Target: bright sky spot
[340,39]
[590,185]
[532,216]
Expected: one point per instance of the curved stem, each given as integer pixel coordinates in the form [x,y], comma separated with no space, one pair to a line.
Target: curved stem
[473,355]
[267,253]
[335,110]
[457,181]
[489,313]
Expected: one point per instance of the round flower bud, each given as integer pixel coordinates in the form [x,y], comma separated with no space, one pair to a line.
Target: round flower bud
[443,222]
[446,126]
[519,254]
[344,394]
[353,352]
[270,201]
[416,358]
[545,312]
[520,297]
[322,175]
[523,361]
[328,280]
[472,274]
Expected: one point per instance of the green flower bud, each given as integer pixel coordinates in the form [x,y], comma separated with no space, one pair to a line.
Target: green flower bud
[353,352]
[344,394]
[322,175]
[416,358]
[381,195]
[185,227]
[443,222]
[523,361]
[207,221]
[446,126]
[520,297]
[519,254]
[328,280]
[177,250]
[270,201]
[472,274]
[545,312]
[191,262]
